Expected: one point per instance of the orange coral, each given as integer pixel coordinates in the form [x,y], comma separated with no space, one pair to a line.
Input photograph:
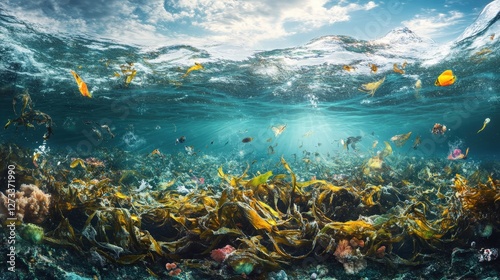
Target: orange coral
[32,204]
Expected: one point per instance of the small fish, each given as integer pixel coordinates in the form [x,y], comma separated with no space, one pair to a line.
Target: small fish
[49,132]
[397,69]
[98,133]
[370,88]
[351,141]
[35,158]
[400,139]
[418,84]
[270,150]
[375,143]
[373,68]
[197,66]
[247,139]
[116,74]
[348,68]
[108,130]
[445,79]
[404,64]
[492,36]
[278,129]
[82,86]
[269,139]
[181,139]
[417,142]
[189,150]
[486,121]
[157,152]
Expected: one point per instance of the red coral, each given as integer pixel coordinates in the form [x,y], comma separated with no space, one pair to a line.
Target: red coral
[219,255]
[380,252]
[170,266]
[175,272]
[355,243]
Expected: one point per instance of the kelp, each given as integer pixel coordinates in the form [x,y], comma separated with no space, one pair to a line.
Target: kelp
[272,219]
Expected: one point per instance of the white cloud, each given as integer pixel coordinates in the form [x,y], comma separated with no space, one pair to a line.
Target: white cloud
[152,21]
[435,25]
[254,21]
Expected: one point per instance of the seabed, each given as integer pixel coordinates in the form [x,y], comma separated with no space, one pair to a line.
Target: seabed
[119,215]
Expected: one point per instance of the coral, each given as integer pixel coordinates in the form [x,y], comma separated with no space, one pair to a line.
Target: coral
[352,259]
[175,272]
[219,255]
[355,243]
[32,204]
[380,253]
[172,268]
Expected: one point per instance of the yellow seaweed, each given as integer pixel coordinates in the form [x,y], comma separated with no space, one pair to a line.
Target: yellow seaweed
[77,162]
[130,76]
[387,150]
[261,179]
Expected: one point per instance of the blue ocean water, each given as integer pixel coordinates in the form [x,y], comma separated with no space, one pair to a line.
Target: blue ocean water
[215,108]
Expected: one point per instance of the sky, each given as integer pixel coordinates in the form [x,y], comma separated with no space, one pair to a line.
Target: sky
[255,24]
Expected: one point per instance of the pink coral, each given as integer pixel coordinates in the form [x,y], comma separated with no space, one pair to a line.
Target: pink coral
[221,254]
[32,204]
[351,259]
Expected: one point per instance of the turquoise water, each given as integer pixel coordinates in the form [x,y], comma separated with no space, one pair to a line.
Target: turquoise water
[228,100]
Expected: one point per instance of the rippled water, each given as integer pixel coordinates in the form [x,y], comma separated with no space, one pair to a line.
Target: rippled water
[215,108]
